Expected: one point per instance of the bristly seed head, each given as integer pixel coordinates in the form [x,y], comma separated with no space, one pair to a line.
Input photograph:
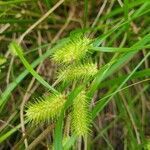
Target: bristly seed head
[74,50]
[78,71]
[81,117]
[45,108]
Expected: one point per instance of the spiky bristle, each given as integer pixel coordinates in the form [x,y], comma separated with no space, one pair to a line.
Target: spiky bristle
[78,71]
[45,108]
[81,116]
[74,50]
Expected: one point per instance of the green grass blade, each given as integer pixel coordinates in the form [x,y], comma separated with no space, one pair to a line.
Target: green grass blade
[119,49]
[59,125]
[103,102]
[5,94]
[2,3]
[19,51]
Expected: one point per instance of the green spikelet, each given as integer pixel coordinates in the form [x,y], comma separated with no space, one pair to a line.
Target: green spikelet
[81,116]
[78,71]
[45,108]
[74,50]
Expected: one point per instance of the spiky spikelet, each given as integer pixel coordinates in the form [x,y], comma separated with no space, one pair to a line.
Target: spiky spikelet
[77,71]
[81,117]
[74,50]
[45,108]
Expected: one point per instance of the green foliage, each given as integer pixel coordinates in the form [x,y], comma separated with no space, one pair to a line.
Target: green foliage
[112,101]
[146,144]
[12,48]
[2,62]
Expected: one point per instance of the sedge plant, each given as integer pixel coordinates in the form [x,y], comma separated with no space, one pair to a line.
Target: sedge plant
[74,67]
[119,91]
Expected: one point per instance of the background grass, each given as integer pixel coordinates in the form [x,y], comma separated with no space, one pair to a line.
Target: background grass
[119,93]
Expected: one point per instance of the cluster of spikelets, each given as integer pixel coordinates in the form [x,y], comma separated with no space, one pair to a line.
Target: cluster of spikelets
[45,108]
[49,107]
[75,65]
[73,58]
